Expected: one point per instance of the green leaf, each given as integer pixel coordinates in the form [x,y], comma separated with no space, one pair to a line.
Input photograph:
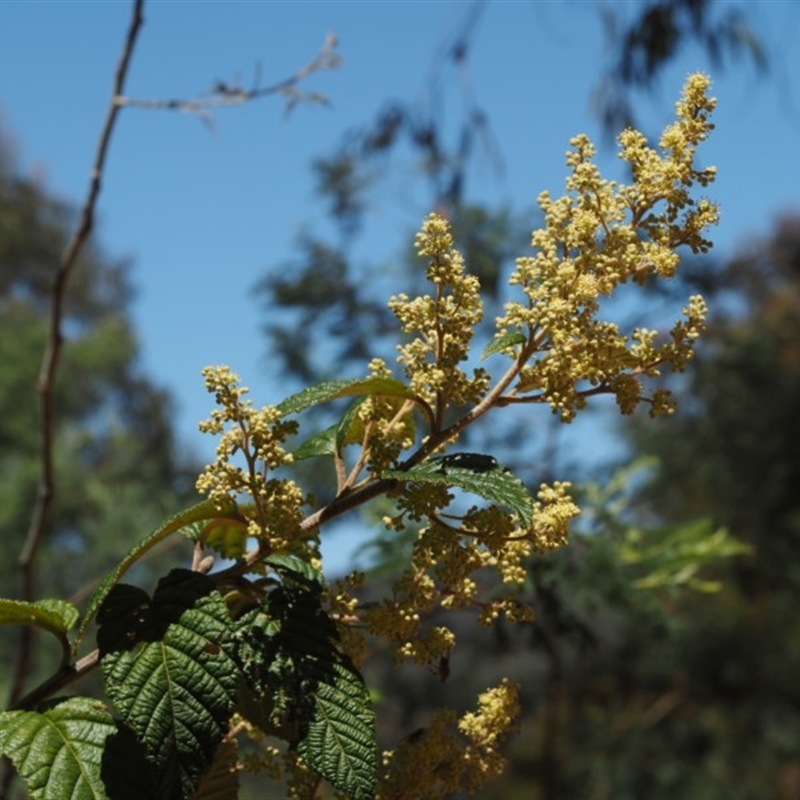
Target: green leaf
[58,752]
[333,390]
[128,774]
[206,510]
[501,342]
[177,691]
[320,444]
[296,568]
[340,742]
[498,486]
[54,616]
[333,439]
[124,619]
[310,692]
[347,431]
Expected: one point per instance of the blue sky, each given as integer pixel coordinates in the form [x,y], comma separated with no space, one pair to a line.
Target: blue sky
[203,215]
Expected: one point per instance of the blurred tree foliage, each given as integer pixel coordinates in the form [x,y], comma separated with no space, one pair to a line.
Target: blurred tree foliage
[732,454]
[117,469]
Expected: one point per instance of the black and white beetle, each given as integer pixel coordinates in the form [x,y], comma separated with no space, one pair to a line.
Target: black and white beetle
[475,462]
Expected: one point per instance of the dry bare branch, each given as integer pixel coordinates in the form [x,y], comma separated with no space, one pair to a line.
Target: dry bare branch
[224,94]
[50,361]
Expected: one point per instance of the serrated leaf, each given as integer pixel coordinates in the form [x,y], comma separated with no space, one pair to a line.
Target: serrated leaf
[178,692]
[303,689]
[124,619]
[54,616]
[332,390]
[498,486]
[202,511]
[331,706]
[58,752]
[340,739]
[296,568]
[502,341]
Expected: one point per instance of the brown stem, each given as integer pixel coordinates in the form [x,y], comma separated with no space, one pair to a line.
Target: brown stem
[224,95]
[52,355]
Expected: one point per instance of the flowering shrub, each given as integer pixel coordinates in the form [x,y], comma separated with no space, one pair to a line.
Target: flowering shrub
[264,648]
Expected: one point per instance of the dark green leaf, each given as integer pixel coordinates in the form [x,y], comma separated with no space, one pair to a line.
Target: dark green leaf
[340,738]
[128,616]
[127,773]
[58,752]
[498,486]
[295,568]
[124,619]
[304,689]
[177,693]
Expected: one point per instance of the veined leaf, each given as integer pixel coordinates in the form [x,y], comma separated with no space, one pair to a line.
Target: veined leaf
[58,752]
[502,341]
[332,390]
[340,739]
[202,511]
[54,616]
[349,430]
[498,486]
[304,689]
[296,568]
[178,691]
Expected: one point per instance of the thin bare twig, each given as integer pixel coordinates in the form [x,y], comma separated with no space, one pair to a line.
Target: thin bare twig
[49,368]
[224,94]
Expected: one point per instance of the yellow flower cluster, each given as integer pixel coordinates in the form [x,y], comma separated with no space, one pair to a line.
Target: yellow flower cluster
[257,435]
[443,325]
[446,561]
[447,755]
[595,238]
